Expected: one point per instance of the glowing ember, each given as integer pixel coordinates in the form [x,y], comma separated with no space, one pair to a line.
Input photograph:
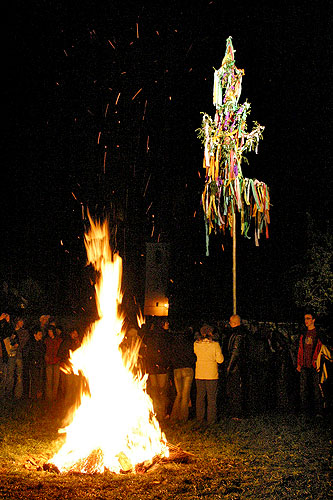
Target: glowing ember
[114,428]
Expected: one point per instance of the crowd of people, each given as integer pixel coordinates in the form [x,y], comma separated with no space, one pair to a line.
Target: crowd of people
[209,372]
[34,360]
[202,373]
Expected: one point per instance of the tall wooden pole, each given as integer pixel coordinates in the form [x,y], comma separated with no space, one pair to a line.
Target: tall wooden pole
[234,308]
[226,139]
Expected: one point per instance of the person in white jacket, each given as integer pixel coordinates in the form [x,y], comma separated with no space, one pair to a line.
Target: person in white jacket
[209,355]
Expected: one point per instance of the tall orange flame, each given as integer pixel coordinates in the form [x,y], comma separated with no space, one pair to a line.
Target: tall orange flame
[115,427]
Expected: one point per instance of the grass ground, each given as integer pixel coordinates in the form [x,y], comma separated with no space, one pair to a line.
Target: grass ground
[262,457]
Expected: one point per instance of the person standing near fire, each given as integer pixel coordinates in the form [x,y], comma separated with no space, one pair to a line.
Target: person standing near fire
[71,381]
[308,350]
[209,356]
[183,361]
[157,341]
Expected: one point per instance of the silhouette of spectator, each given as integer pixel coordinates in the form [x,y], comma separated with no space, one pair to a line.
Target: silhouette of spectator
[71,381]
[14,365]
[236,368]
[283,371]
[157,340]
[260,381]
[36,363]
[22,372]
[52,362]
[183,361]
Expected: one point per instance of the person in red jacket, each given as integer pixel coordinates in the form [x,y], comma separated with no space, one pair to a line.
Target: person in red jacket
[308,350]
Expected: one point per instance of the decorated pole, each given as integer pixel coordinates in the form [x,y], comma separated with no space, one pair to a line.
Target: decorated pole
[234,273]
[226,140]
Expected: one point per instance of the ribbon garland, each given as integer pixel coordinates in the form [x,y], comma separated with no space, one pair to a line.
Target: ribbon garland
[226,140]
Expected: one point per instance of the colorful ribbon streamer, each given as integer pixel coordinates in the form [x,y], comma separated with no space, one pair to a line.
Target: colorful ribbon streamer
[226,140]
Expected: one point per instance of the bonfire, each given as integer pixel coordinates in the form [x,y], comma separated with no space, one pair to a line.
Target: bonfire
[114,428]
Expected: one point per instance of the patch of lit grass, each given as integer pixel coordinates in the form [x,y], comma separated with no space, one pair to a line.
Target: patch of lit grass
[265,456]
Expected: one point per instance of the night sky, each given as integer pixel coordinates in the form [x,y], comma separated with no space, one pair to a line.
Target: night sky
[102,101]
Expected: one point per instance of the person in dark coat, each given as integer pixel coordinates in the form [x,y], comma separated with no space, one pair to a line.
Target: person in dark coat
[22,375]
[10,340]
[71,381]
[183,362]
[52,364]
[236,367]
[157,341]
[36,364]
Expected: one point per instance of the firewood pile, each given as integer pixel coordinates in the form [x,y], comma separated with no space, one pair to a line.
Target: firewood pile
[176,455]
[91,464]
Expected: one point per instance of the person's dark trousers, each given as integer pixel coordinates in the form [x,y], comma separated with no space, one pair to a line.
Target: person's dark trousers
[310,395]
[235,394]
[206,388]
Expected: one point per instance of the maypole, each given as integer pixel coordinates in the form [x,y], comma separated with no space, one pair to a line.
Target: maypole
[226,140]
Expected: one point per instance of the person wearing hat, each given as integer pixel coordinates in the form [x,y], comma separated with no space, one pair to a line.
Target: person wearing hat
[209,355]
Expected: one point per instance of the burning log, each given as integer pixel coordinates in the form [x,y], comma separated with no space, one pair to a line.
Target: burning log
[35,463]
[176,455]
[90,465]
[51,468]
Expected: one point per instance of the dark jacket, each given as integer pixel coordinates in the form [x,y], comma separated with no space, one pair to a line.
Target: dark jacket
[236,349]
[182,351]
[36,352]
[157,351]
